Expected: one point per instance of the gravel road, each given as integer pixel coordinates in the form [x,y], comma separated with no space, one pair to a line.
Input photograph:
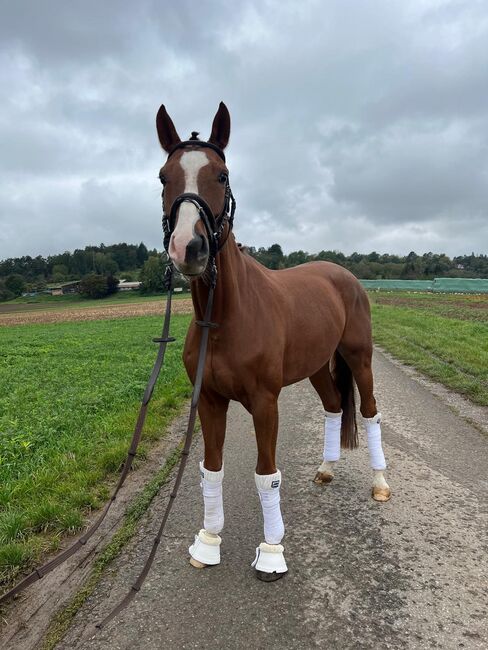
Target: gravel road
[411,573]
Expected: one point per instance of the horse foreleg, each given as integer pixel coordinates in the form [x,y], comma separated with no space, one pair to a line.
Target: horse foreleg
[330,396]
[205,551]
[269,561]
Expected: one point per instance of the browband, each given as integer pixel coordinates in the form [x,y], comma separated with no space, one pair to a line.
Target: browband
[197,143]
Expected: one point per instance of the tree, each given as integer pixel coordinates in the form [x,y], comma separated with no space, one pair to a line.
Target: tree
[15,283]
[94,286]
[141,254]
[152,275]
[112,284]
[296,258]
[60,272]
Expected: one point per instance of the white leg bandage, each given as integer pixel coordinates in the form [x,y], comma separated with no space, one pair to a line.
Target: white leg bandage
[373,431]
[268,486]
[211,485]
[332,436]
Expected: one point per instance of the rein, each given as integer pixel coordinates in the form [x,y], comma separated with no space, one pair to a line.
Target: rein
[214,227]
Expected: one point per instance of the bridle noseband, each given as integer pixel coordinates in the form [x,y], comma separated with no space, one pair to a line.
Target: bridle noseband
[214,225]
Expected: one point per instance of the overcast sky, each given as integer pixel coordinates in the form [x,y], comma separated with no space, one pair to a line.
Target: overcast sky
[356,125]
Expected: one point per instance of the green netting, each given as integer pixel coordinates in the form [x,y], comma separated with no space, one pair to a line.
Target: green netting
[460,285]
[439,285]
[398,285]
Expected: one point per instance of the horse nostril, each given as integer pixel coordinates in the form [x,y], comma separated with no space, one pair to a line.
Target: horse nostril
[195,248]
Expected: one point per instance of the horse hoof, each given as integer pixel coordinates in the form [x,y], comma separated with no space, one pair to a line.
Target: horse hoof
[269,577]
[197,564]
[323,477]
[381,494]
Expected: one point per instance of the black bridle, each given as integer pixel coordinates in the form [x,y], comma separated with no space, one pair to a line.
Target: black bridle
[214,224]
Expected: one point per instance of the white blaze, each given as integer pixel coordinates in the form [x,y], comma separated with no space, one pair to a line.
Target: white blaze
[191,163]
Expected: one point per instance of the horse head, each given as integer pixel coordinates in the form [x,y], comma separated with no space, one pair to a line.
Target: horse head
[197,201]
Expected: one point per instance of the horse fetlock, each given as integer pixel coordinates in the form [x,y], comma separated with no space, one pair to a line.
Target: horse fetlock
[205,550]
[380,490]
[269,562]
[325,473]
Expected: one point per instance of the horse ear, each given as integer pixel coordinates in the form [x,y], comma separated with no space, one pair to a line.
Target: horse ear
[221,127]
[168,137]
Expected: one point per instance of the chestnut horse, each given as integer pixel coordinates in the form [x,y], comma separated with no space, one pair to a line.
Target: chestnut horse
[275,328]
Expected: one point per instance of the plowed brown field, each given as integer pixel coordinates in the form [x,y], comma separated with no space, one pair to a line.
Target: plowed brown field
[104,312]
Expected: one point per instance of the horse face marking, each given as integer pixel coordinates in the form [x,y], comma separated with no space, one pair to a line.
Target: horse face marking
[191,162]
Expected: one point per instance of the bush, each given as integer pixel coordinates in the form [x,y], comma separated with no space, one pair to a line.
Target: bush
[5,294]
[15,284]
[152,275]
[112,284]
[94,286]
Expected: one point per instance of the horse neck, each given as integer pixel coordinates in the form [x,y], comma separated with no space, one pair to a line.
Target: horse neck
[230,269]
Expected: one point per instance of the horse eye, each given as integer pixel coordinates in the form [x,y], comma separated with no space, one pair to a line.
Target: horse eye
[223,177]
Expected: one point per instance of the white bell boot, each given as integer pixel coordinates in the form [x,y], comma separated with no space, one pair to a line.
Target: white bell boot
[205,551]
[269,562]
[332,447]
[380,490]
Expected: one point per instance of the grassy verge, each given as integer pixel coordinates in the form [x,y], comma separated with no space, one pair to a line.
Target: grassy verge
[452,350]
[61,622]
[69,395]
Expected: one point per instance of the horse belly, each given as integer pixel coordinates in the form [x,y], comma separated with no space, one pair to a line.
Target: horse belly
[304,359]
[311,341]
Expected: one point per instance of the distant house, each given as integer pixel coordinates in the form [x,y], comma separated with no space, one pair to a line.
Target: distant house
[128,286]
[63,288]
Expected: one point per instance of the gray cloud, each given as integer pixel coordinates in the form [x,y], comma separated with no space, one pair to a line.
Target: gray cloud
[356,126]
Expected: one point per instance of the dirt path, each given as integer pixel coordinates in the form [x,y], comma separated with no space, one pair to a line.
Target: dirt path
[102,312]
[412,573]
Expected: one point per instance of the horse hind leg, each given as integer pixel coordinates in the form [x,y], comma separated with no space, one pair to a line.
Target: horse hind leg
[329,394]
[360,363]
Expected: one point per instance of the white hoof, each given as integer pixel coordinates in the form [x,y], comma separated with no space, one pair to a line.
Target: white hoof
[325,472]
[269,562]
[205,551]
[380,490]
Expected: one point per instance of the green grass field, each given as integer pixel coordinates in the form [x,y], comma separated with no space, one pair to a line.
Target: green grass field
[69,397]
[443,336]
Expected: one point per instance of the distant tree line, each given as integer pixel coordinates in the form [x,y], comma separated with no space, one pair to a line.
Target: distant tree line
[104,260]
[101,266]
[373,265]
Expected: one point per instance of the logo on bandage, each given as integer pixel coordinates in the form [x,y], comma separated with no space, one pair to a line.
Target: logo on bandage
[275,483]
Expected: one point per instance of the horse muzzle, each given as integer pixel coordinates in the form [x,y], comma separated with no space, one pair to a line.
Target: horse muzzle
[190,258]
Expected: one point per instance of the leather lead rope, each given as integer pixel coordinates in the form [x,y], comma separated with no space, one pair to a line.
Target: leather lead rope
[205,325]
[40,572]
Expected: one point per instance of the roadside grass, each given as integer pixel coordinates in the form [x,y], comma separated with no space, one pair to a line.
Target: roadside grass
[62,620]
[451,349]
[69,396]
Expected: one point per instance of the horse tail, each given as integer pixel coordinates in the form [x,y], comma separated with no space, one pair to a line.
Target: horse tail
[345,384]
